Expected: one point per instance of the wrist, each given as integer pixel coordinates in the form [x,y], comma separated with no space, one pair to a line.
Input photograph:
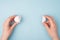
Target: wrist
[4,37]
[55,38]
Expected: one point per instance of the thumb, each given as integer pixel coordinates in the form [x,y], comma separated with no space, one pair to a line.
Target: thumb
[12,27]
[46,25]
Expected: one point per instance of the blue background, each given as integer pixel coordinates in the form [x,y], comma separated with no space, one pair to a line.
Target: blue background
[31,11]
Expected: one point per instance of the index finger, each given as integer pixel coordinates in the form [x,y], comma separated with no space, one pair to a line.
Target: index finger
[50,19]
[10,18]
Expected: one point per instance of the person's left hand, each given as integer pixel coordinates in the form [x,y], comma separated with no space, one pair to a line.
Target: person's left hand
[7,28]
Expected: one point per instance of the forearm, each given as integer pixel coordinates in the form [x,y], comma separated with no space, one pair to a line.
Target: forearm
[4,37]
[56,38]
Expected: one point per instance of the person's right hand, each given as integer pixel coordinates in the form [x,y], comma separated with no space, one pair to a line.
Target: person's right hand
[51,27]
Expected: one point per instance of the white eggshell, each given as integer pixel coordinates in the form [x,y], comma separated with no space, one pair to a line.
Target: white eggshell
[43,19]
[17,19]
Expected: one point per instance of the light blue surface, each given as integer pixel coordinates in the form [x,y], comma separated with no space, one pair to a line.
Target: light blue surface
[31,11]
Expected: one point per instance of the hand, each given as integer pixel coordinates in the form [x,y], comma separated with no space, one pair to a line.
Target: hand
[7,28]
[51,27]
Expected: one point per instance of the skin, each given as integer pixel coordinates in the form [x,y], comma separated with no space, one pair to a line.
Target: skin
[50,25]
[7,29]
[52,30]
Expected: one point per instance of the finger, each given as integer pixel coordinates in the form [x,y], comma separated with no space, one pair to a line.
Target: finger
[11,18]
[50,19]
[12,27]
[46,25]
